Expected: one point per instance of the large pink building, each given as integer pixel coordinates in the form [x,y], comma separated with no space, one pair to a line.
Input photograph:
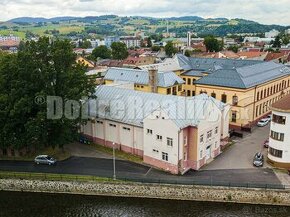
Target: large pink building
[172,133]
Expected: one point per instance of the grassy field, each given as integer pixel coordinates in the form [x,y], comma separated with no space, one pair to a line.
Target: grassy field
[8,32]
[119,154]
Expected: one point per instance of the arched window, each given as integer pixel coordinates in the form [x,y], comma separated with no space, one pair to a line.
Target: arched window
[235,100]
[224,98]
[213,95]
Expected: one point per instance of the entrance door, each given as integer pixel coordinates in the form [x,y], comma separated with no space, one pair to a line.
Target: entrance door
[208,152]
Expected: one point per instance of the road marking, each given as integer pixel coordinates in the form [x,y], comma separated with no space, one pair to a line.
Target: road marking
[148,171]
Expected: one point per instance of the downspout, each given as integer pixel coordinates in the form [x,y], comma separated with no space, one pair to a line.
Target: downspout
[178,150]
[254,103]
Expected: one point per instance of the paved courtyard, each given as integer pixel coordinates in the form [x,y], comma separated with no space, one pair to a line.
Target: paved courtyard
[241,154]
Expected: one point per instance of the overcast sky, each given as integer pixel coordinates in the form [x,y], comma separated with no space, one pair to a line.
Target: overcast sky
[263,11]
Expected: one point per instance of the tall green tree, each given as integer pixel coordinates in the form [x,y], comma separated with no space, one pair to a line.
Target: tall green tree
[119,51]
[101,52]
[149,42]
[212,44]
[277,42]
[39,70]
[170,50]
[187,53]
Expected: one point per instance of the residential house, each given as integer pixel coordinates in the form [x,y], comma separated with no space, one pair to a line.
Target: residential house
[85,62]
[132,62]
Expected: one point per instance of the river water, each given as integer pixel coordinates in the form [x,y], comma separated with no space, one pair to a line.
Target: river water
[61,205]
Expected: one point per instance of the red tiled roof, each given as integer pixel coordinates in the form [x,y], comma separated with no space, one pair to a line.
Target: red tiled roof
[9,43]
[251,54]
[274,56]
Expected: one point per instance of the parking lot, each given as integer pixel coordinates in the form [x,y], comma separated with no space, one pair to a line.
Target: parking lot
[241,154]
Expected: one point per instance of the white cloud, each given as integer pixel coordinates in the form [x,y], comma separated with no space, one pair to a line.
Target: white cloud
[264,11]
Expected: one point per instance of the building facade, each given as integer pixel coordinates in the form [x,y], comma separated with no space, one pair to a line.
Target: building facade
[171,133]
[166,83]
[130,41]
[279,149]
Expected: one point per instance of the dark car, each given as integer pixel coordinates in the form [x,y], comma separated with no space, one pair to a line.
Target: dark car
[258,160]
[266,143]
[84,140]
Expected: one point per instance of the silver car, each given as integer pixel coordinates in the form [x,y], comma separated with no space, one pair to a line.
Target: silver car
[45,159]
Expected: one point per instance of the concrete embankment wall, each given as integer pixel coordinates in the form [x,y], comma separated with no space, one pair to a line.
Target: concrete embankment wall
[174,192]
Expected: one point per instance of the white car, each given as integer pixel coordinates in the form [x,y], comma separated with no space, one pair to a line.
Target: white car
[269,117]
[263,122]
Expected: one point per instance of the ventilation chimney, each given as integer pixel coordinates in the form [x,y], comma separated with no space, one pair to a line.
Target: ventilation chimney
[153,73]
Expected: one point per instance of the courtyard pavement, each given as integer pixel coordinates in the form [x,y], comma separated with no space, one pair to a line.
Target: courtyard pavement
[241,154]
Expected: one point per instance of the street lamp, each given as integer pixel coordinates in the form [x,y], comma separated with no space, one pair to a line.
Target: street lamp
[114,162]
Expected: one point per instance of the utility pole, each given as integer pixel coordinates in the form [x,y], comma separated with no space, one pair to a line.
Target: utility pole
[114,162]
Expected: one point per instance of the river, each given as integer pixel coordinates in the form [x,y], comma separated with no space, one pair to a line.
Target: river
[61,205]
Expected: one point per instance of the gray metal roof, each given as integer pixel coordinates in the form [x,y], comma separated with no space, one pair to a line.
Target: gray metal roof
[165,79]
[114,104]
[196,73]
[247,76]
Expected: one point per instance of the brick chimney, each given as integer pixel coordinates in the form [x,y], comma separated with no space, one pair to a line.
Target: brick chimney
[153,79]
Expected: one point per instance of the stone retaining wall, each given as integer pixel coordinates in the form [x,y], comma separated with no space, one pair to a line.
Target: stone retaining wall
[175,192]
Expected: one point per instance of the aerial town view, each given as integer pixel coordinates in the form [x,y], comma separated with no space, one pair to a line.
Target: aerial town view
[144,108]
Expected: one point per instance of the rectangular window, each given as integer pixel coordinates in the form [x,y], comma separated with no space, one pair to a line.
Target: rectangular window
[224,98]
[235,100]
[200,155]
[126,128]
[201,138]
[279,119]
[156,151]
[168,91]
[170,142]
[149,131]
[216,130]
[185,140]
[99,122]
[164,156]
[113,125]
[209,134]
[234,116]
[159,137]
[277,136]
[275,152]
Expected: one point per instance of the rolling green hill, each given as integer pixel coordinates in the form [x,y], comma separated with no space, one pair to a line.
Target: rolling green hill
[101,26]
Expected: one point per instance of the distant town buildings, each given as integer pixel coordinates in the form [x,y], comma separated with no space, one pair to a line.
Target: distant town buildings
[130,41]
[110,39]
[279,149]
[272,34]
[9,43]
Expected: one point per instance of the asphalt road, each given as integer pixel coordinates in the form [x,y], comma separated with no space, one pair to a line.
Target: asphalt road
[131,171]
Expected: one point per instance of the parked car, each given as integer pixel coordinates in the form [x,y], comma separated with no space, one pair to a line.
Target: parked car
[269,117]
[266,143]
[263,122]
[258,160]
[84,140]
[45,159]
